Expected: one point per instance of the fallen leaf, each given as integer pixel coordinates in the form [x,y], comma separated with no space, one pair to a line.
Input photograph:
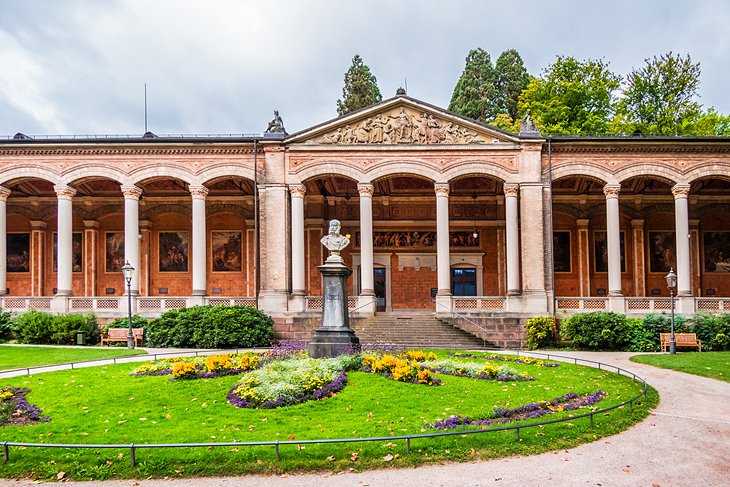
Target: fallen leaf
[331,458]
[60,475]
[291,437]
[353,456]
[388,457]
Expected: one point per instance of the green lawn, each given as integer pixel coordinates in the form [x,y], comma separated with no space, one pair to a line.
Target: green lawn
[107,405]
[715,365]
[13,357]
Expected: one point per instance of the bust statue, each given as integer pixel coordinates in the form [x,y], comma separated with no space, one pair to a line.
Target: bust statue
[334,242]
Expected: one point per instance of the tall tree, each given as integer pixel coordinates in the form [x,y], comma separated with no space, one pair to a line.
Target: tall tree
[572,97]
[512,79]
[660,98]
[360,90]
[475,93]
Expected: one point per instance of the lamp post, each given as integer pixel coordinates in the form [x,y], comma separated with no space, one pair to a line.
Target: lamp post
[127,269]
[671,285]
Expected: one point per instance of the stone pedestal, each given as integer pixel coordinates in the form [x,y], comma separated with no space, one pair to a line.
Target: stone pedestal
[334,336]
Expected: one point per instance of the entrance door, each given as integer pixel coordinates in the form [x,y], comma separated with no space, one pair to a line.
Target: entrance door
[379,285]
[464,282]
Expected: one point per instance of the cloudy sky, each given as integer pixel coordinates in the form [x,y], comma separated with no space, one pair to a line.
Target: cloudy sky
[222,66]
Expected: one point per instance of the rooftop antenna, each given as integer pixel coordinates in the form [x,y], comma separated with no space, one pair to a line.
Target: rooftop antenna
[145,108]
[406,83]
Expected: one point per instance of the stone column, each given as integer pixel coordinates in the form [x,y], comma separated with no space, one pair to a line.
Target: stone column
[4,193]
[681,216]
[131,233]
[637,227]
[367,284]
[443,295]
[584,262]
[64,257]
[512,238]
[613,239]
[38,259]
[297,192]
[200,284]
[91,243]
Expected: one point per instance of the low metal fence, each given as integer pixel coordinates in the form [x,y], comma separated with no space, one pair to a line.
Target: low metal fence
[277,444]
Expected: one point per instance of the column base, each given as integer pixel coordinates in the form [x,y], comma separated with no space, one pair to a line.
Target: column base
[617,304]
[199,292]
[196,300]
[366,304]
[297,303]
[514,292]
[59,304]
[685,305]
[332,342]
[273,303]
[443,303]
[533,302]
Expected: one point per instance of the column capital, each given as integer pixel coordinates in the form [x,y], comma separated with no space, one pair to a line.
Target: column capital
[64,192]
[4,193]
[612,190]
[38,225]
[582,222]
[297,190]
[511,189]
[680,191]
[365,190]
[198,192]
[91,224]
[131,192]
[442,189]
[637,223]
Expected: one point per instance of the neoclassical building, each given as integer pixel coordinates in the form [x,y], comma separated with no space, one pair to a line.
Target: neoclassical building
[445,215]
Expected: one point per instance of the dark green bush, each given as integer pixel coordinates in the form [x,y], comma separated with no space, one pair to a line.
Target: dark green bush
[712,330]
[600,330]
[640,338]
[540,332]
[66,326]
[7,327]
[34,326]
[211,327]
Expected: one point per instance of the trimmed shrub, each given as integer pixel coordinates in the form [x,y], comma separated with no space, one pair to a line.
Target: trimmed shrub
[211,327]
[640,338]
[7,327]
[712,330]
[540,332]
[600,330]
[34,326]
[66,326]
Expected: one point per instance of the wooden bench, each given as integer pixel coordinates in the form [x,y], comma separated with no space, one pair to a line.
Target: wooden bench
[680,339]
[120,335]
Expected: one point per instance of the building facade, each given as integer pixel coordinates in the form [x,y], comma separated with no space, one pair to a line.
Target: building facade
[444,214]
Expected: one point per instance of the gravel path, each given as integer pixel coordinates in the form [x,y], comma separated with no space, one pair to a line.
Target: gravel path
[684,442]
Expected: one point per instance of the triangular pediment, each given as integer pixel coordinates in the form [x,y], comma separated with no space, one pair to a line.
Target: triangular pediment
[402,121]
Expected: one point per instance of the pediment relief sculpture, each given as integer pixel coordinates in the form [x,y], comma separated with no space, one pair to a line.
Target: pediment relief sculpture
[401,126]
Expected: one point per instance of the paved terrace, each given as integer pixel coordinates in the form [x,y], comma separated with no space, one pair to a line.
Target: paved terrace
[684,442]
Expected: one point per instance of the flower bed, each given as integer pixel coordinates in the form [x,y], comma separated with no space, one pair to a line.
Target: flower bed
[518,359]
[484,371]
[287,382]
[567,402]
[203,367]
[15,409]
[399,368]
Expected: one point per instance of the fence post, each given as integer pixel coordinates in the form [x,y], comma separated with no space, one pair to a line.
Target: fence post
[408,444]
[591,419]
[6,451]
[517,430]
[131,455]
[277,451]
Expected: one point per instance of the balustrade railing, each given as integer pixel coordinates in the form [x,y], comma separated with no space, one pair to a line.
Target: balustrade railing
[316,302]
[478,303]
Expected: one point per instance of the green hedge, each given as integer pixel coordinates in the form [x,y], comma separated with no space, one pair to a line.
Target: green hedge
[540,332]
[211,327]
[7,327]
[614,331]
[39,327]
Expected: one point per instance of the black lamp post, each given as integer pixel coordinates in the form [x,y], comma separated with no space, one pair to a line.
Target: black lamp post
[672,285]
[127,269]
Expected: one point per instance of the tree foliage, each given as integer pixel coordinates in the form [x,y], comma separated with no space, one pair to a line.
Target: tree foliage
[475,94]
[512,79]
[660,97]
[572,97]
[360,90]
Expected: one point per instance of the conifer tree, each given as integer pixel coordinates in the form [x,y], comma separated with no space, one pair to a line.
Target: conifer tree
[512,79]
[475,93]
[360,90]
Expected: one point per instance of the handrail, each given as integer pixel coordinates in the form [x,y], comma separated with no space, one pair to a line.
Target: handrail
[132,447]
[459,315]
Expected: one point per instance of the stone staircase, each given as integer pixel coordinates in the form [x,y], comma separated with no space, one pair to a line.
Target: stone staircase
[413,330]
